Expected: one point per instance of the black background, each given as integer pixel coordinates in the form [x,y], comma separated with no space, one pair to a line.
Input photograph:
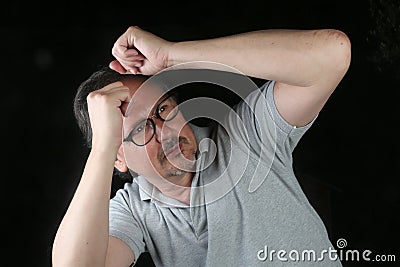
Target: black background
[350,153]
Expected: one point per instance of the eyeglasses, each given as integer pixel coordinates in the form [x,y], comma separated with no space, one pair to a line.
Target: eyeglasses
[144,130]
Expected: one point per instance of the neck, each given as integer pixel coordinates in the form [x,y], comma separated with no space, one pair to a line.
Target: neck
[178,187]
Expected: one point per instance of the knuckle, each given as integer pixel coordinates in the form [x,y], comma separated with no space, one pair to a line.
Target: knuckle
[96,96]
[132,28]
[91,96]
[113,50]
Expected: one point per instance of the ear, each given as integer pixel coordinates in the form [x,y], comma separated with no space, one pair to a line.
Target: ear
[120,162]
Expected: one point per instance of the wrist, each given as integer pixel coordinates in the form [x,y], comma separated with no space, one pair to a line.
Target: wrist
[188,51]
[106,158]
[104,149]
[172,58]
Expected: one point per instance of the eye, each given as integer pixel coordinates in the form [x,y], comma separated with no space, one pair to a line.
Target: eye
[163,108]
[140,127]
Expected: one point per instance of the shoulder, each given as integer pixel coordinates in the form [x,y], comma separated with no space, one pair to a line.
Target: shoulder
[129,193]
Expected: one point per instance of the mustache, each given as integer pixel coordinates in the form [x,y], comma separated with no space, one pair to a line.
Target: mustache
[170,143]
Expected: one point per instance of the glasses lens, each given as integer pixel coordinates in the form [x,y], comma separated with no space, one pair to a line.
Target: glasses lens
[168,109]
[143,132]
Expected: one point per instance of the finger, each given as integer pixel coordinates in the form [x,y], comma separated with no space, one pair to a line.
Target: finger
[111,86]
[120,46]
[133,70]
[122,50]
[137,57]
[119,94]
[131,66]
[124,96]
[129,62]
[124,107]
[136,63]
[115,65]
[117,88]
[130,52]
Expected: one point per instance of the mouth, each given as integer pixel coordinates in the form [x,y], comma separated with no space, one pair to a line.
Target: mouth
[173,151]
[172,148]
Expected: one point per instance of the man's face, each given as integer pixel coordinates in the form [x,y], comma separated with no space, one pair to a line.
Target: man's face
[171,151]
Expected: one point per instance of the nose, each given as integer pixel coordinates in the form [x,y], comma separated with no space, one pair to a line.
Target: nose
[163,131]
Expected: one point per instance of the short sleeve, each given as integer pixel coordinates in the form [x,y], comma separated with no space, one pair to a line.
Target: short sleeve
[292,132]
[124,225]
[256,124]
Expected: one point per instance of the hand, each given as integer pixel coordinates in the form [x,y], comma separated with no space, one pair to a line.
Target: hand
[140,52]
[104,107]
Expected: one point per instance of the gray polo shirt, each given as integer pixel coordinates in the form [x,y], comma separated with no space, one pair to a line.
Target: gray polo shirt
[246,205]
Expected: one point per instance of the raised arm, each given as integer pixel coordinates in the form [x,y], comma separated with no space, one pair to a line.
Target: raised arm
[307,65]
[83,235]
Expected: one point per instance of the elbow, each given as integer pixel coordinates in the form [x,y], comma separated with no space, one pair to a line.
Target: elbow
[340,51]
[345,50]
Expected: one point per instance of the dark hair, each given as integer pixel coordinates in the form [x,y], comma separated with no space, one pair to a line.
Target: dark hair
[96,80]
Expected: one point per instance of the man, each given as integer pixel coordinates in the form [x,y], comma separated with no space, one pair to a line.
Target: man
[256,207]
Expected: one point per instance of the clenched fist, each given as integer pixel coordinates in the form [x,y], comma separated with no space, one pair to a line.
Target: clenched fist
[140,52]
[104,106]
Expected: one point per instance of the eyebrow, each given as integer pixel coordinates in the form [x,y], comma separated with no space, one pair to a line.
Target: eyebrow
[153,111]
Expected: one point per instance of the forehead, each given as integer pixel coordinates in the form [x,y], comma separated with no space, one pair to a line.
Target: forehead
[140,85]
[144,96]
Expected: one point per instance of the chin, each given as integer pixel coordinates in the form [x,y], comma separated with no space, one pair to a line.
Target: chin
[174,173]
[178,166]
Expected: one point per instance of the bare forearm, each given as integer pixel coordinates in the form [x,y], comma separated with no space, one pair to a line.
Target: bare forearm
[82,237]
[295,57]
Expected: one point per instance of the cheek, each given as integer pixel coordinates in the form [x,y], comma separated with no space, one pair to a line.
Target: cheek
[188,133]
[142,160]
[178,123]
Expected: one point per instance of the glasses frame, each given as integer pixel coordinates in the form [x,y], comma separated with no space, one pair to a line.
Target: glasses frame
[155,115]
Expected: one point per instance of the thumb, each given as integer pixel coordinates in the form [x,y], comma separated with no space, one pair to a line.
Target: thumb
[115,65]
